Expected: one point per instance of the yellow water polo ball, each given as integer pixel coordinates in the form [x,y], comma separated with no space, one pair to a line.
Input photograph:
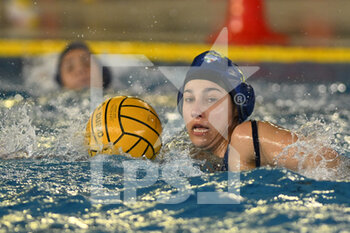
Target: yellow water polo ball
[124,124]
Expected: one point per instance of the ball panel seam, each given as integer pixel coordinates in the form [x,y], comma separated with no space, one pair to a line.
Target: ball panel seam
[120,123]
[133,146]
[135,135]
[92,127]
[136,106]
[107,133]
[118,139]
[141,122]
[144,153]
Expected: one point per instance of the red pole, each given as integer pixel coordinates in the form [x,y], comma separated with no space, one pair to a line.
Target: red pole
[246,24]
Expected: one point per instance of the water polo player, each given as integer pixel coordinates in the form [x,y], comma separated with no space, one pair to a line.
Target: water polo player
[217,122]
[75,65]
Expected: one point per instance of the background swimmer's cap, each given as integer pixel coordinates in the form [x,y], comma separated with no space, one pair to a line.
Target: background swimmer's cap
[106,74]
[126,124]
[214,67]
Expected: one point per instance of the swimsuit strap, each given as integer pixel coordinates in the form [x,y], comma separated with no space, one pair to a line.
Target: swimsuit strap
[256,148]
[256,143]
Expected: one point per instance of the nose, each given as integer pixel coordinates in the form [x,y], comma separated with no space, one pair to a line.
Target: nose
[197,111]
[80,69]
[82,73]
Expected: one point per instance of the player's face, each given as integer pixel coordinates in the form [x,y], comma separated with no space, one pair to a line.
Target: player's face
[75,69]
[207,111]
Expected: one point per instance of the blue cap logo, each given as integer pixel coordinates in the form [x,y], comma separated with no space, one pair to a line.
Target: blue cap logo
[211,57]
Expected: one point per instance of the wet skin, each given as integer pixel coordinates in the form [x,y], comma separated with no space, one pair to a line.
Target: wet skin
[207,111]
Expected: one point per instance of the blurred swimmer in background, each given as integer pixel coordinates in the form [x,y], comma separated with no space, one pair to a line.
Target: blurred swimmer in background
[76,65]
[216,121]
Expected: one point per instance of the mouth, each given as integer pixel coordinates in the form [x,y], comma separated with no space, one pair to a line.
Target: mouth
[199,129]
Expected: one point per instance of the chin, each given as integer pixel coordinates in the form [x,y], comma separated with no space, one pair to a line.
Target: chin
[199,143]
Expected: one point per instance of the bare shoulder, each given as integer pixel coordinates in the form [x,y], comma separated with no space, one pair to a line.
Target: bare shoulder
[272,139]
[242,142]
[242,133]
[274,132]
[242,128]
[274,148]
[245,129]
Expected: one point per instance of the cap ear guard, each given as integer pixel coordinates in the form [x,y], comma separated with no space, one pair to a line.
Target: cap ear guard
[244,98]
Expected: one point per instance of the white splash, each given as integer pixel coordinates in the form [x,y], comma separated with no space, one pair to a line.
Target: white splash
[315,140]
[18,137]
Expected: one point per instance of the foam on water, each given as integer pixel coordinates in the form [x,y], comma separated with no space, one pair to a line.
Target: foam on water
[44,127]
[18,137]
[53,126]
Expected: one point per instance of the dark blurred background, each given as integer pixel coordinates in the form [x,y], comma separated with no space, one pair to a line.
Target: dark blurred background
[291,40]
[305,22]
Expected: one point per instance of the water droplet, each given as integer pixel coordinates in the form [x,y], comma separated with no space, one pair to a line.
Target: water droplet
[276,87]
[341,87]
[259,99]
[322,89]
[333,88]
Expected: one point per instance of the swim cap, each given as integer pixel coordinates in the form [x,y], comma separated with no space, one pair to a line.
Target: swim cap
[106,74]
[219,69]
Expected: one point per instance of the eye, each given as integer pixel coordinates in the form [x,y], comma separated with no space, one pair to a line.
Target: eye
[85,61]
[188,99]
[68,67]
[212,99]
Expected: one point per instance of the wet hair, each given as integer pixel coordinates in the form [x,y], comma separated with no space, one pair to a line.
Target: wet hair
[106,74]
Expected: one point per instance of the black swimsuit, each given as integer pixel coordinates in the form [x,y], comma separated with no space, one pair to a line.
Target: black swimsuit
[256,148]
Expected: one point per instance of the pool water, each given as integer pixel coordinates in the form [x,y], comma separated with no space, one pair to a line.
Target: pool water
[48,180]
